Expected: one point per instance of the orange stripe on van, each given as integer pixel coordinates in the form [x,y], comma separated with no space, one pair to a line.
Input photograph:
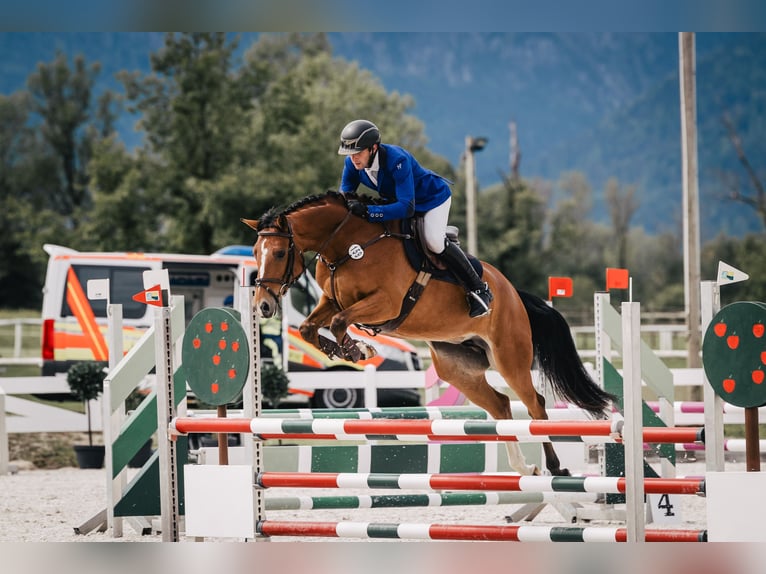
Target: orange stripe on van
[78,303]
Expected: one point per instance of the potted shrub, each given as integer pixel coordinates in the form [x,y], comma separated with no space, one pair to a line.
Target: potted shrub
[86,381]
[274,384]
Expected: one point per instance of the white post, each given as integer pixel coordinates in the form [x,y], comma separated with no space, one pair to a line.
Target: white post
[370,387]
[252,397]
[166,412]
[17,338]
[603,351]
[4,456]
[633,431]
[112,422]
[710,295]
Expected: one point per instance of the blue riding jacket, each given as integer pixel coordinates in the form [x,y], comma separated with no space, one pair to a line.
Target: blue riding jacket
[402,181]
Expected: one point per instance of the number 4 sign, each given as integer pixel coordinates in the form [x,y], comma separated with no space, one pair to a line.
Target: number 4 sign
[663,509]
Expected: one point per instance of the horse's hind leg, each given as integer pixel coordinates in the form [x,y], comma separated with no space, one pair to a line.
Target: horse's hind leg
[464,367]
[521,383]
[535,403]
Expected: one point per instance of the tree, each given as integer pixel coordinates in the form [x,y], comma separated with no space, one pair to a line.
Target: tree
[193,108]
[62,97]
[756,197]
[290,150]
[511,218]
[129,212]
[576,243]
[622,206]
[25,178]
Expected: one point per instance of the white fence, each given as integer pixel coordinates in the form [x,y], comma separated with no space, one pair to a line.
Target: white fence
[19,327]
[20,414]
[667,341]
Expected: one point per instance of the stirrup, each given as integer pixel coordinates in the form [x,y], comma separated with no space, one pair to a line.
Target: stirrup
[478,301]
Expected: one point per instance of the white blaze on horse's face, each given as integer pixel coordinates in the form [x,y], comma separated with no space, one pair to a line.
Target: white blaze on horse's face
[271,257]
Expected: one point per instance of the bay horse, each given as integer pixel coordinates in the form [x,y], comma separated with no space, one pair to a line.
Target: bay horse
[364,274]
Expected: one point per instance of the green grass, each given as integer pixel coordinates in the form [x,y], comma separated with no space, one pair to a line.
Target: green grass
[19,313]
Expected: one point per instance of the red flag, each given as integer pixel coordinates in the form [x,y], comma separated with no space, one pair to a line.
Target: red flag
[617,278]
[559,287]
[153,296]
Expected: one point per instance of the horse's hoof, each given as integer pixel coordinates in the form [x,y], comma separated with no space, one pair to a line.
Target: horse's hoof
[358,351]
[561,472]
[368,352]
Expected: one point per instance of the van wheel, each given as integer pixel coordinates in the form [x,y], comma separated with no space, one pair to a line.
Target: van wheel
[337,399]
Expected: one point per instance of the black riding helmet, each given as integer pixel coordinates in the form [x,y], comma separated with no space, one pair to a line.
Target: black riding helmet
[357,136]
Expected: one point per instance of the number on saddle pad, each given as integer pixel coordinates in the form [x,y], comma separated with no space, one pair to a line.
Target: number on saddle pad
[734,354]
[215,356]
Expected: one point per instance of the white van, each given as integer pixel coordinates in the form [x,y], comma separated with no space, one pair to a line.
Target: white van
[74,327]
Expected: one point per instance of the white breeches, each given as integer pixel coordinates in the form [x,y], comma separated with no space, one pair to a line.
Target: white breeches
[435,226]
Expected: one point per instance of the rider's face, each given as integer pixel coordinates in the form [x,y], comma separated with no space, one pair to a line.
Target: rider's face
[361,159]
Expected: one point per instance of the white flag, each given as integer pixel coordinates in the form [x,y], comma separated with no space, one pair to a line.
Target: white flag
[728,274]
[98,289]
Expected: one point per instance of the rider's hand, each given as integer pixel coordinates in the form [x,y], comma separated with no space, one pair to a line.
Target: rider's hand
[359,209]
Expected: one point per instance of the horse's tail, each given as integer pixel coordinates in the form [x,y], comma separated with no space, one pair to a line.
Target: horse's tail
[558,359]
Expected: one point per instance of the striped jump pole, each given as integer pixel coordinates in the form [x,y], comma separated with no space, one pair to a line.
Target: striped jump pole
[499,482]
[453,430]
[511,533]
[729,445]
[557,411]
[413,413]
[425,500]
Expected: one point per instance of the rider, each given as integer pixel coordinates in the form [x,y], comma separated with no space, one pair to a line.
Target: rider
[397,176]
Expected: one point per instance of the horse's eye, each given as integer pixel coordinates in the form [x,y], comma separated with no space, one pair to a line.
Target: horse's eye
[280,254]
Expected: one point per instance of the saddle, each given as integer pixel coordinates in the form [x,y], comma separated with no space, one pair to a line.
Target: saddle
[428,266]
[423,259]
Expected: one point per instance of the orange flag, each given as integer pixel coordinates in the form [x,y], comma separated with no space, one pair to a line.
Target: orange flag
[617,278]
[559,287]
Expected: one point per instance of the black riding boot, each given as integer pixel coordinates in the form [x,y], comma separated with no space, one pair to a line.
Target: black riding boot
[477,291]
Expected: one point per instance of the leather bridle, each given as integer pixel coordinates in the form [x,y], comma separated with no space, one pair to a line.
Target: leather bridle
[287,279]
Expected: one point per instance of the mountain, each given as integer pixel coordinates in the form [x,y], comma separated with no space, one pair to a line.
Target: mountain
[605,104]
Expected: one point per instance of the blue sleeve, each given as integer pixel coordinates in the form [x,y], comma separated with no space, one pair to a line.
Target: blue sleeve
[349,181]
[400,170]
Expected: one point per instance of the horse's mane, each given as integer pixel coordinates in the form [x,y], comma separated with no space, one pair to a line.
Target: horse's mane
[273,216]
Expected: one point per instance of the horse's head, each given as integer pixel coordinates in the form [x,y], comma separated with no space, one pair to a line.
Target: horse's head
[279,261]
[309,224]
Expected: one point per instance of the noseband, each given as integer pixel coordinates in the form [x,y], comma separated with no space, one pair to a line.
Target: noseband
[287,279]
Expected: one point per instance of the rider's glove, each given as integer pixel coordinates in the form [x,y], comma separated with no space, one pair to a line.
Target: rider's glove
[359,209]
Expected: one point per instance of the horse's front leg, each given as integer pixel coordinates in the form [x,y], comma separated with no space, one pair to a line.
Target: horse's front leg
[370,310]
[318,318]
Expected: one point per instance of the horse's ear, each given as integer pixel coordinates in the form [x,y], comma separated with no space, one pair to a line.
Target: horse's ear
[253,223]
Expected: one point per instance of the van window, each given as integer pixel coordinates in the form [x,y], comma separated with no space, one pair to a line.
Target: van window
[124,282]
[302,296]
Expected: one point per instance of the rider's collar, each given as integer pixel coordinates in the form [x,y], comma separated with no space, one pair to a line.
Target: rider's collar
[372,171]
